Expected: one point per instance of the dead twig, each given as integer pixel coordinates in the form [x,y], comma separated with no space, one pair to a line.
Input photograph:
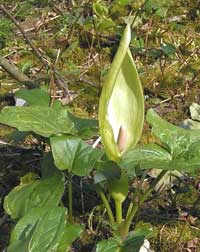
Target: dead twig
[90,83]
[35,50]
[16,73]
[48,65]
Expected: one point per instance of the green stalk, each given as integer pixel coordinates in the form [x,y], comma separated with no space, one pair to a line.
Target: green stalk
[118,209]
[70,201]
[133,210]
[107,206]
[129,209]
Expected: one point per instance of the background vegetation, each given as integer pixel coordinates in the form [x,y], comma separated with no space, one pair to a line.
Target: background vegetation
[76,42]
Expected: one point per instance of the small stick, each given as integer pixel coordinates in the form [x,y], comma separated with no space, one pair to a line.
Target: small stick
[36,51]
[44,61]
[16,73]
[82,197]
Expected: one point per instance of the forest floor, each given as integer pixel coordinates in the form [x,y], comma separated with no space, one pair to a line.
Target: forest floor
[166,48]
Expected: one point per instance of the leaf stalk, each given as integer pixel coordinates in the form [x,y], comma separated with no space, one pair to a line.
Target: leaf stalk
[118,209]
[132,210]
[70,197]
[107,206]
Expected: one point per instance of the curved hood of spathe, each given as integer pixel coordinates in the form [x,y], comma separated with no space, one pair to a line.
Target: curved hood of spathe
[121,107]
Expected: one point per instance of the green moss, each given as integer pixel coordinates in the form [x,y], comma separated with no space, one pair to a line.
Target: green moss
[174,236]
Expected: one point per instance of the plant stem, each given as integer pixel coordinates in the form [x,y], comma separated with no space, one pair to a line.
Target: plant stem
[129,209]
[133,210]
[118,209]
[70,202]
[107,206]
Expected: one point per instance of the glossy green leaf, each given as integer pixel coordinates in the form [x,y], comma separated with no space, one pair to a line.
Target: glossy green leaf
[29,194]
[48,168]
[74,155]
[121,107]
[132,243]
[135,240]
[44,121]
[168,49]
[181,149]
[86,128]
[157,8]
[36,96]
[177,140]
[145,157]
[71,233]
[110,245]
[40,230]
[106,170]
[155,53]
[145,229]
[153,156]
[188,160]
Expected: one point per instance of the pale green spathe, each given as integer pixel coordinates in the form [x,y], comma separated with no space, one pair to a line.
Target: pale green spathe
[121,107]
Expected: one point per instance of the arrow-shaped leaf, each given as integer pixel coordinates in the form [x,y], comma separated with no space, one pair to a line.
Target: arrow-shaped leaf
[44,121]
[74,155]
[38,193]
[181,149]
[132,243]
[41,229]
[176,139]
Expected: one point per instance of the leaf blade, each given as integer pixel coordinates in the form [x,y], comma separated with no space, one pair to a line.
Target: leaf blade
[39,230]
[74,155]
[44,121]
[44,192]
